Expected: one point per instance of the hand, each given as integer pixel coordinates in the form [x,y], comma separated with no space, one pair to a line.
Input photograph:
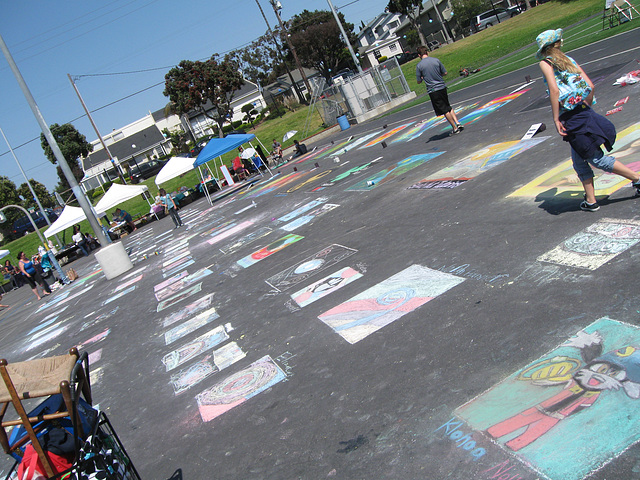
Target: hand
[560,128]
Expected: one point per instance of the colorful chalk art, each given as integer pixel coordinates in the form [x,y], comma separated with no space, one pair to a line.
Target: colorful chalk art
[595,245]
[384,303]
[571,411]
[239,387]
[562,180]
[477,163]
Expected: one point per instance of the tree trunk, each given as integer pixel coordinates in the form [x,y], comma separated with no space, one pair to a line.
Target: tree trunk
[416,26]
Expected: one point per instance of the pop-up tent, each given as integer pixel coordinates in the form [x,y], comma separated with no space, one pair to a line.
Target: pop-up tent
[218,147]
[175,167]
[4,253]
[69,217]
[117,194]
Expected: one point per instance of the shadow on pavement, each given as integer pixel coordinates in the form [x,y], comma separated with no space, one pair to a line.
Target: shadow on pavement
[177,475]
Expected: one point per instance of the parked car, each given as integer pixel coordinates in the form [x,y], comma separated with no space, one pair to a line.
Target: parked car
[23,225]
[199,146]
[488,19]
[146,170]
[405,57]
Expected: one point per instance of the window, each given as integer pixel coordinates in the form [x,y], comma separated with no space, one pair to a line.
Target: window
[117,136]
[393,24]
[393,47]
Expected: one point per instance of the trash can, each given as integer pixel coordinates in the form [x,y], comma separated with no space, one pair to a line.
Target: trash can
[343,121]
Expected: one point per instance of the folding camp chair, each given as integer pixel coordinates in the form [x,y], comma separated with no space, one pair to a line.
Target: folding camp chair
[67,375]
[617,12]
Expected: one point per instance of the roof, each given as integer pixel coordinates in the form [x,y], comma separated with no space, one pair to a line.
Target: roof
[143,140]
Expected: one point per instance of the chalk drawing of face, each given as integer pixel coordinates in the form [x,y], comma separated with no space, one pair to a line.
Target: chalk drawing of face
[600,376]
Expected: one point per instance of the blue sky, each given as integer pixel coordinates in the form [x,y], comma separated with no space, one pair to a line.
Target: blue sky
[50,39]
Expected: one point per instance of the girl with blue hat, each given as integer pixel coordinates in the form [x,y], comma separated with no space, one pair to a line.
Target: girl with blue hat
[571,96]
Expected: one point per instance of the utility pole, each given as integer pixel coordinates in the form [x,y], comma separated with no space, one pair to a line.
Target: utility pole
[275,41]
[344,36]
[276,8]
[62,162]
[113,162]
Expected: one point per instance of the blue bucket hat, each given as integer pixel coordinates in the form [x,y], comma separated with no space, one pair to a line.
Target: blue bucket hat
[546,38]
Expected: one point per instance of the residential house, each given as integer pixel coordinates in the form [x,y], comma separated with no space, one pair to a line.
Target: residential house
[379,39]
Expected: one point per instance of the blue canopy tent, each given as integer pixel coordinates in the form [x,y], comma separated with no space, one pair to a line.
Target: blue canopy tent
[218,147]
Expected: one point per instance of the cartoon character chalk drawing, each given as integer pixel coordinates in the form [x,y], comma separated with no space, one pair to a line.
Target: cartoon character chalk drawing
[585,382]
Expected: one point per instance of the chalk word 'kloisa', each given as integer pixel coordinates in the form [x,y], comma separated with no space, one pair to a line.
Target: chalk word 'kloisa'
[465,442]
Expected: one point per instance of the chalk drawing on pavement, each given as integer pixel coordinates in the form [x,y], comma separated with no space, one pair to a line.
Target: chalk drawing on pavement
[478,162]
[191,309]
[239,387]
[490,107]
[309,217]
[325,258]
[269,250]
[189,350]
[596,244]
[385,135]
[387,301]
[191,325]
[220,359]
[563,180]
[122,293]
[339,178]
[325,286]
[421,127]
[246,240]
[393,171]
[302,209]
[169,302]
[572,410]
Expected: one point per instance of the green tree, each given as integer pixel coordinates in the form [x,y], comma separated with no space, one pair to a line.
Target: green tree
[73,146]
[249,113]
[46,199]
[318,41]
[9,196]
[259,61]
[205,87]
[178,139]
[412,9]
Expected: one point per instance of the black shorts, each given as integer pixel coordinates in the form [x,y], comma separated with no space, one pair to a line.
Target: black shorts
[440,102]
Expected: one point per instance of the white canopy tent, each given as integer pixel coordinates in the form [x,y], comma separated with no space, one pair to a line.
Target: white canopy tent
[175,167]
[69,217]
[4,253]
[117,194]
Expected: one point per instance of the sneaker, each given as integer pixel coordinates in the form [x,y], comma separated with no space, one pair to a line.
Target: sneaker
[636,185]
[454,132]
[460,126]
[589,207]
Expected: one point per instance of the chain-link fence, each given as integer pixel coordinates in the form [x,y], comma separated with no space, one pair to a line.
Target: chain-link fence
[358,94]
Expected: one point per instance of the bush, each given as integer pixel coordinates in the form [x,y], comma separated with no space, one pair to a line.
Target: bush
[382,58]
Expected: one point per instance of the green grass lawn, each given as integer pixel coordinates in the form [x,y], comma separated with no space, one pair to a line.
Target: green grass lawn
[511,45]
[497,50]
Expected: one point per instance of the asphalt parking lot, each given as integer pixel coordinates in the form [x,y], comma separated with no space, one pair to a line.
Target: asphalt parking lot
[397,303]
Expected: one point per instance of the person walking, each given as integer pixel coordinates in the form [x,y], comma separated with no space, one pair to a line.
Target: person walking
[32,275]
[571,96]
[171,207]
[431,71]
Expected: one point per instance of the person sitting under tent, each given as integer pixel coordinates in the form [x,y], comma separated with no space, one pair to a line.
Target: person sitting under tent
[239,169]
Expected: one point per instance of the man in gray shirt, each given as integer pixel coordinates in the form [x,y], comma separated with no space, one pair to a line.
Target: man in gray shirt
[431,70]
